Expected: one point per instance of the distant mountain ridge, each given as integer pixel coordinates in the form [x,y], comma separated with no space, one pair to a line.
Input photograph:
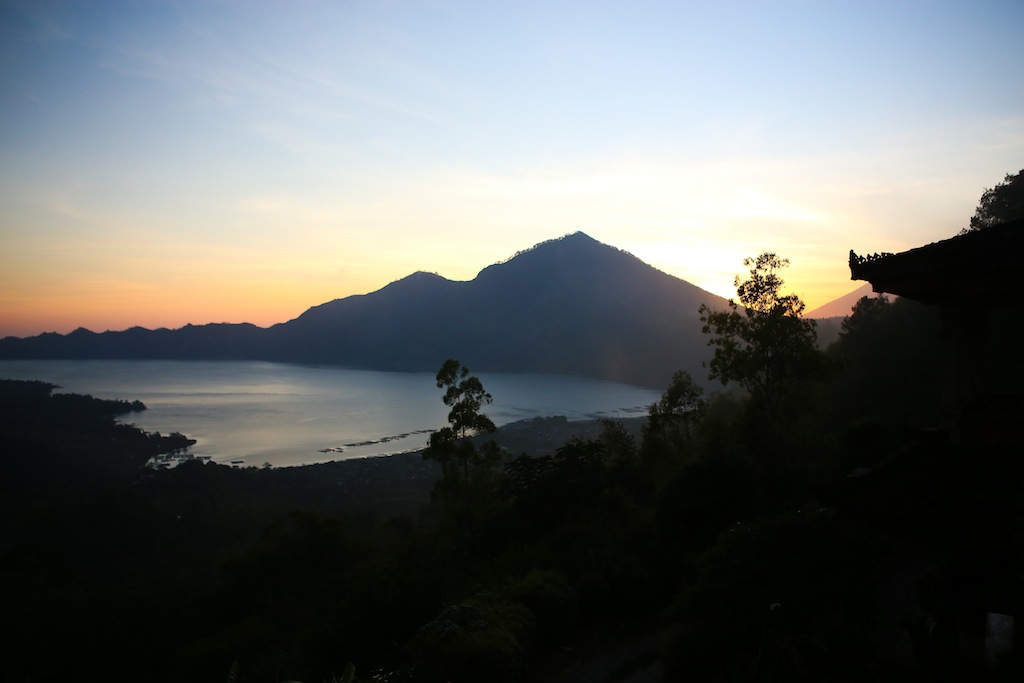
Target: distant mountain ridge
[843,306]
[569,306]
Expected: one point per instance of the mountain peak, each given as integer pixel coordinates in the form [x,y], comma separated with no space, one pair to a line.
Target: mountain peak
[572,239]
[843,306]
[558,252]
[420,276]
[418,281]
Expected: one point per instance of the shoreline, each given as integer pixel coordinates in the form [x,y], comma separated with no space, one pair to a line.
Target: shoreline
[531,436]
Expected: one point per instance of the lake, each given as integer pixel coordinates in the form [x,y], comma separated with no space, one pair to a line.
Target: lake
[253,413]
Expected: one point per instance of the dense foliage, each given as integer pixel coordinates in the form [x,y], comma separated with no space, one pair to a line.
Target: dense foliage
[1000,204]
[765,346]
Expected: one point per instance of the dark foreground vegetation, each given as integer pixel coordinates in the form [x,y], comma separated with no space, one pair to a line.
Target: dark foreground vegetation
[724,541]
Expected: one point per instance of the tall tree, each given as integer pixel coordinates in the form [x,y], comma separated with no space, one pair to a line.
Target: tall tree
[465,395]
[668,432]
[864,315]
[766,347]
[1000,204]
[450,446]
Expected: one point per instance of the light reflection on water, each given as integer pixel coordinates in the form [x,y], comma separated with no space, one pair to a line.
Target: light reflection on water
[286,414]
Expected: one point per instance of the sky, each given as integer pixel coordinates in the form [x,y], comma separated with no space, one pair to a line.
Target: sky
[165,163]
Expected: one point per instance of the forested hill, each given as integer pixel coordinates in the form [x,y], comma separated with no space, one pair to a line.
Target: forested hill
[571,305]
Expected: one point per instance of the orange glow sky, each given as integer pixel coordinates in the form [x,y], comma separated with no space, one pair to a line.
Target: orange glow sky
[184,162]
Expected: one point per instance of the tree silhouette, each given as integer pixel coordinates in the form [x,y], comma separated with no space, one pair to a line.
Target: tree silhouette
[668,432]
[450,446]
[864,316]
[465,395]
[767,348]
[1000,204]
[680,404]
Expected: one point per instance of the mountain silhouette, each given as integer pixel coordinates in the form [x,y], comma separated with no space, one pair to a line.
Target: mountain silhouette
[570,306]
[843,306]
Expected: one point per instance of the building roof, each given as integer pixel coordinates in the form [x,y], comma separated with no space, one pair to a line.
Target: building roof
[988,263]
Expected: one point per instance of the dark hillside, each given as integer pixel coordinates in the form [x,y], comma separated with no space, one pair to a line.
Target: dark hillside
[571,305]
[216,341]
[399,327]
[575,305]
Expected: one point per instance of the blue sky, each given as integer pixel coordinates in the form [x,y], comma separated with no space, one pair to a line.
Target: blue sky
[172,162]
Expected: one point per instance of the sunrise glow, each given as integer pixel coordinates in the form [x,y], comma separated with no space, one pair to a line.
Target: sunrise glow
[173,163]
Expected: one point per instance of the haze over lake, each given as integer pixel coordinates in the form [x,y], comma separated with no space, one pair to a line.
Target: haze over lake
[286,414]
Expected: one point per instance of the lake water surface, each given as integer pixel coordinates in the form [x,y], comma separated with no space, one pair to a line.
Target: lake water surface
[284,414]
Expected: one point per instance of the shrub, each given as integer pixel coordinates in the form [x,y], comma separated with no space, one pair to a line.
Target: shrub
[792,595]
[484,639]
[553,604]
